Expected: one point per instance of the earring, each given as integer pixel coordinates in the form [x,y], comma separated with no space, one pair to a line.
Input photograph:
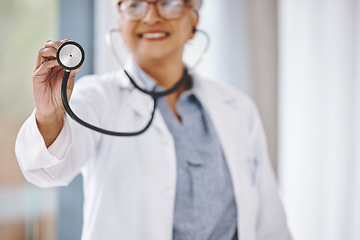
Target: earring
[194,30]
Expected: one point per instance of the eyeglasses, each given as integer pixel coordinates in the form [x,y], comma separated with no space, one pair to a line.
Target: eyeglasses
[134,10]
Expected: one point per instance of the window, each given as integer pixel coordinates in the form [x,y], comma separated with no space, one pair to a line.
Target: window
[25,25]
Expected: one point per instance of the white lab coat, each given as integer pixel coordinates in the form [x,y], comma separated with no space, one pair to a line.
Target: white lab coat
[129,183]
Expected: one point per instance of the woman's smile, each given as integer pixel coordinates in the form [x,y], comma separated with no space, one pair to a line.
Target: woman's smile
[154,35]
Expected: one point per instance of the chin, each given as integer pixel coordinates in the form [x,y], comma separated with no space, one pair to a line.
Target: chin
[152,55]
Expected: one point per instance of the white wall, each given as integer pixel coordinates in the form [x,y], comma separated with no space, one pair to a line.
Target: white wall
[319,117]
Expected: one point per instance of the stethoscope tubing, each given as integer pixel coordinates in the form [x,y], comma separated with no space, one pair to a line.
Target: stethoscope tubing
[154,94]
[69,111]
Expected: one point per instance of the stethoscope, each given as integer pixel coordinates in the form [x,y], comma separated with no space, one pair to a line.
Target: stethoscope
[70,56]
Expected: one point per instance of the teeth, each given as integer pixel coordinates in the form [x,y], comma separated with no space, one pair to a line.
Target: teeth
[154,35]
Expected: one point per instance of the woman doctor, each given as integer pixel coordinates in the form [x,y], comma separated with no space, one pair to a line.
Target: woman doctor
[201,171]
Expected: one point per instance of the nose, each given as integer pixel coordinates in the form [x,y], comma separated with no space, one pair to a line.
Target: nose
[152,16]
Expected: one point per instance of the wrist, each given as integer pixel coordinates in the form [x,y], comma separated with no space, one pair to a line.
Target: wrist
[49,126]
[55,118]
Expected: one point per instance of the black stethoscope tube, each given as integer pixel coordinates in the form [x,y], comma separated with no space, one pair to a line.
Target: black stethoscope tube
[155,94]
[92,127]
[73,55]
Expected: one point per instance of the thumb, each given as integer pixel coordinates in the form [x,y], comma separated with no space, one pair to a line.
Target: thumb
[72,76]
[70,85]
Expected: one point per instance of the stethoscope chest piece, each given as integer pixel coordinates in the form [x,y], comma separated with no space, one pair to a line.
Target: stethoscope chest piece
[70,55]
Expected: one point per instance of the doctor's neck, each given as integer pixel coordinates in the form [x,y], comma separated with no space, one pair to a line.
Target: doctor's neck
[166,72]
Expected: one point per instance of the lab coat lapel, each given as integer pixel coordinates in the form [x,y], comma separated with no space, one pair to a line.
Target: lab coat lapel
[221,111]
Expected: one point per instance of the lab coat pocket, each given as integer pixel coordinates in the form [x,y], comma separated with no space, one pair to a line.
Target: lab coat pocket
[253,165]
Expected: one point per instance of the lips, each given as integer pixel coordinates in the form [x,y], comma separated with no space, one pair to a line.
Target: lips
[153,35]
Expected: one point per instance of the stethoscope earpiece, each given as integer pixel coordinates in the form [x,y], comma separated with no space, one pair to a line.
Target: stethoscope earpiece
[70,55]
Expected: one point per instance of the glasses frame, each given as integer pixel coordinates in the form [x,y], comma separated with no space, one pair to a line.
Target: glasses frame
[156,3]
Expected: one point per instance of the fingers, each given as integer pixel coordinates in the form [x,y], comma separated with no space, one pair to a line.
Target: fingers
[48,52]
[55,44]
[47,64]
[45,67]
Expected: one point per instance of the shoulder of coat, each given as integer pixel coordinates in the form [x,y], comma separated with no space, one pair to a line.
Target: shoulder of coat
[222,92]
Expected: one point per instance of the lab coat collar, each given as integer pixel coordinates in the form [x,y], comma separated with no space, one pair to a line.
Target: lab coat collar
[138,100]
[211,94]
[220,104]
[208,96]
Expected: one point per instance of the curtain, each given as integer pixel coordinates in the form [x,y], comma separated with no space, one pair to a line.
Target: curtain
[319,117]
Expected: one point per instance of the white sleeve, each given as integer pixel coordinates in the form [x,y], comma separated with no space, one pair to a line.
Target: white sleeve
[62,161]
[271,221]
[35,158]
[75,145]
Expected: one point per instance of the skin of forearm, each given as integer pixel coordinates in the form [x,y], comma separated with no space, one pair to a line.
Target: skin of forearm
[49,128]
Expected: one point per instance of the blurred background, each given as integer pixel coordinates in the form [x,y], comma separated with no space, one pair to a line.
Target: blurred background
[299,61]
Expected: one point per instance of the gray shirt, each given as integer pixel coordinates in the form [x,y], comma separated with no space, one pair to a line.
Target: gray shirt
[204,203]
